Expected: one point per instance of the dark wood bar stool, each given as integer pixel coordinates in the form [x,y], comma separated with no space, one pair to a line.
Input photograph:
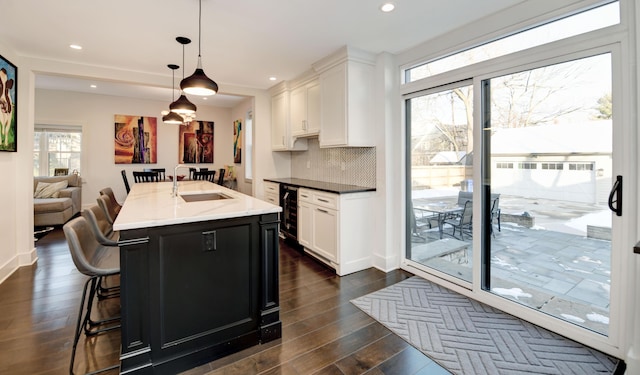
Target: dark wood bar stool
[205,175]
[145,176]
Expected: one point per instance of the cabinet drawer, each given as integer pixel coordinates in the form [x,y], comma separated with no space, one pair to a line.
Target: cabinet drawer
[271,188]
[272,198]
[305,195]
[327,200]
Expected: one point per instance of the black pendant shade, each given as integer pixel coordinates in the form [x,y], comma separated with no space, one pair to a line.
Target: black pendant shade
[183,106]
[172,117]
[198,83]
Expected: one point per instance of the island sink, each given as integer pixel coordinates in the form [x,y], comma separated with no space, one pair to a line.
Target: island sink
[213,196]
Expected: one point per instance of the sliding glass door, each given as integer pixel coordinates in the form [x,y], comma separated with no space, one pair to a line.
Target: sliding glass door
[548,173]
[440,171]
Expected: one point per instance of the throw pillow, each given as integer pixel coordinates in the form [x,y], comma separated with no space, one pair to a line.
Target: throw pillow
[49,190]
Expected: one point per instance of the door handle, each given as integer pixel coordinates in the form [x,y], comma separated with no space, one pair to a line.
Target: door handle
[615,196]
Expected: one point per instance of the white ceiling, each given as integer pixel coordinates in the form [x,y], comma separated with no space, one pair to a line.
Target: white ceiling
[244,42]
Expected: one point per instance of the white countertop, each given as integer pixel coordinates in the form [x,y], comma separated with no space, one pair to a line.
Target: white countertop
[152,205]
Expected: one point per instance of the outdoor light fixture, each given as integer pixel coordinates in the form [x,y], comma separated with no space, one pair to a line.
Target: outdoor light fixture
[183,106]
[198,83]
[172,117]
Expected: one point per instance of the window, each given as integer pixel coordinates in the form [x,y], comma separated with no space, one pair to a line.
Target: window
[556,166]
[580,166]
[56,147]
[527,165]
[577,24]
[248,147]
[504,165]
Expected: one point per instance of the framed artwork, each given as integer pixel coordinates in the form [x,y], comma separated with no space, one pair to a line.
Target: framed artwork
[196,142]
[136,139]
[8,106]
[237,141]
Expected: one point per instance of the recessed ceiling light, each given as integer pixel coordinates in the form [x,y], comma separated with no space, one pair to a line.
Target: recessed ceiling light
[75,46]
[272,78]
[387,7]
[93,86]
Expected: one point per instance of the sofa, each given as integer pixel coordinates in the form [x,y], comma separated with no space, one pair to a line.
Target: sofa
[56,199]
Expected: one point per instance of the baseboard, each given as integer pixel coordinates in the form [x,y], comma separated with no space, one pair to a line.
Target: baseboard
[8,268]
[386,264]
[29,258]
[354,266]
[20,260]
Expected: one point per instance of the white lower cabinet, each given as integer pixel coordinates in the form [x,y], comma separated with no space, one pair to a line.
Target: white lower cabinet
[305,220]
[325,232]
[335,228]
[272,192]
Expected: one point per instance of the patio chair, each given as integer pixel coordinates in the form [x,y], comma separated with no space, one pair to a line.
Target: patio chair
[419,219]
[462,222]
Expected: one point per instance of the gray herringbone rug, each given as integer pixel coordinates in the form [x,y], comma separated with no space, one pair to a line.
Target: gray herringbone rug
[469,337]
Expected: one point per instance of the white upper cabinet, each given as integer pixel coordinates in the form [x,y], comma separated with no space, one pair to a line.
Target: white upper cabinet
[346,99]
[334,101]
[279,120]
[281,139]
[305,110]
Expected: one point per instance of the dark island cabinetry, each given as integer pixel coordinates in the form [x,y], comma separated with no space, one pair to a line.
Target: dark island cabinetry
[198,291]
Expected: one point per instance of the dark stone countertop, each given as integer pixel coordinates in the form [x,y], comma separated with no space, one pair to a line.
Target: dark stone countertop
[322,186]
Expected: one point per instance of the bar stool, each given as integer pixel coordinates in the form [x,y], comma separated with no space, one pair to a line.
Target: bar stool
[106,236]
[102,229]
[107,206]
[95,261]
[109,192]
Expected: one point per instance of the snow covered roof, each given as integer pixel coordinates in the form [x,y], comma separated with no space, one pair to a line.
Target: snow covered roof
[448,157]
[586,137]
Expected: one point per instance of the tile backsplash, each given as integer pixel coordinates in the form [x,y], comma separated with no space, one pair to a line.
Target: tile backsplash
[343,165]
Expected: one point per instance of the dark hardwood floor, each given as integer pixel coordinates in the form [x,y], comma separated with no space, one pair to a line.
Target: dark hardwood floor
[323,333]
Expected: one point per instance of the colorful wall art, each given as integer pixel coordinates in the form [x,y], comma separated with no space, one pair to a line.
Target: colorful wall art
[8,106]
[196,142]
[237,141]
[136,139]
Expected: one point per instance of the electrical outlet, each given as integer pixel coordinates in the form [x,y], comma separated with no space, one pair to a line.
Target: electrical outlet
[343,166]
[308,164]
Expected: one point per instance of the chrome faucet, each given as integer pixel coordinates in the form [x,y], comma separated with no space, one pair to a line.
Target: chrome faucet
[175,179]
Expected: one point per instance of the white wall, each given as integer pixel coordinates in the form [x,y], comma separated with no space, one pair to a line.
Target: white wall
[96,116]
[95,113]
[15,248]
[240,113]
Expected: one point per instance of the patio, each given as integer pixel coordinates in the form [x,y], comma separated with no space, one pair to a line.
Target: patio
[553,266]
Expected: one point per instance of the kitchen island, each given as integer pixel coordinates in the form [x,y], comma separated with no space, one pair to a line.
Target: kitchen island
[199,275]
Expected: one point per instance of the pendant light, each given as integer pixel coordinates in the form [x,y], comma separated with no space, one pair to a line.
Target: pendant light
[183,106]
[198,83]
[172,117]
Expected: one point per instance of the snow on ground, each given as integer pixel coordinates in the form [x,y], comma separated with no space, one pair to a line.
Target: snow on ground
[572,318]
[599,218]
[594,317]
[513,292]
